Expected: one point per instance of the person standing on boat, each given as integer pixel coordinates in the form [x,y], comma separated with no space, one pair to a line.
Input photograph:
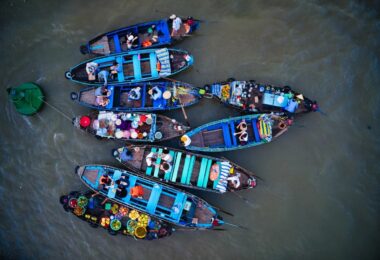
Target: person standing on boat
[177,22]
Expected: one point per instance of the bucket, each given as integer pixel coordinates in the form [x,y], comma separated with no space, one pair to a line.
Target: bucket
[82,201]
[73,203]
[140,232]
[115,224]
[131,226]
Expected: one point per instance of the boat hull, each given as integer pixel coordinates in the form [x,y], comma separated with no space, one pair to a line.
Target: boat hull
[251,97]
[152,34]
[236,133]
[188,170]
[180,94]
[130,67]
[130,127]
[155,199]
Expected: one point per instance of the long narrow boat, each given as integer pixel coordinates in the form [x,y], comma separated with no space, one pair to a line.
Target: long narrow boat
[250,96]
[174,95]
[146,35]
[156,199]
[188,169]
[114,217]
[132,127]
[235,133]
[134,66]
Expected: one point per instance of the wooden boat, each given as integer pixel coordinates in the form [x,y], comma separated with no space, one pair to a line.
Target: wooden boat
[250,96]
[187,169]
[235,133]
[147,35]
[27,98]
[158,200]
[134,66]
[174,95]
[115,218]
[131,127]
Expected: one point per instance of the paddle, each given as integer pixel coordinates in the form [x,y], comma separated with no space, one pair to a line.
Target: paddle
[221,210]
[237,226]
[320,111]
[243,198]
[166,14]
[182,106]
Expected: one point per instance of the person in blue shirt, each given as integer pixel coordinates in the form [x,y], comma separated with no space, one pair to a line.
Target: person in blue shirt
[103,76]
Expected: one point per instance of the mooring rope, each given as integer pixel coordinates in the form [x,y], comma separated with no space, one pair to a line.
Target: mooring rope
[56,109]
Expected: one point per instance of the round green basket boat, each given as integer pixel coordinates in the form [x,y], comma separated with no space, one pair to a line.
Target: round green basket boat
[27,98]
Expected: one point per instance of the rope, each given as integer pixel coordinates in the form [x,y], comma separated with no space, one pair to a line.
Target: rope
[56,109]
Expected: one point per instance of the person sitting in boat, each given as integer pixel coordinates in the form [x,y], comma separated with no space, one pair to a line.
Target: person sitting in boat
[102,101]
[121,192]
[176,25]
[134,94]
[234,181]
[166,167]
[214,171]
[115,69]
[102,91]
[185,140]
[155,93]
[126,155]
[130,40]
[137,192]
[122,182]
[243,134]
[103,76]
[104,181]
[151,159]
[166,156]
[152,34]
[91,68]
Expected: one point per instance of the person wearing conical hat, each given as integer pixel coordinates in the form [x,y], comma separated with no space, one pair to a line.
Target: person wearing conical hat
[185,140]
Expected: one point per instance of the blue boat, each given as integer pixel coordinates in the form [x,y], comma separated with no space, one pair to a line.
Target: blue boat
[127,67]
[143,35]
[172,96]
[236,133]
[155,199]
[252,97]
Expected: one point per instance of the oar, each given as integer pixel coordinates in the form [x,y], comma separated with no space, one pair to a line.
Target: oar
[320,111]
[166,14]
[237,226]
[243,198]
[222,210]
[258,177]
[180,101]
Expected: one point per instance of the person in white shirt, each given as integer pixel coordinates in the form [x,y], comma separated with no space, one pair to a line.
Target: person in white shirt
[177,22]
